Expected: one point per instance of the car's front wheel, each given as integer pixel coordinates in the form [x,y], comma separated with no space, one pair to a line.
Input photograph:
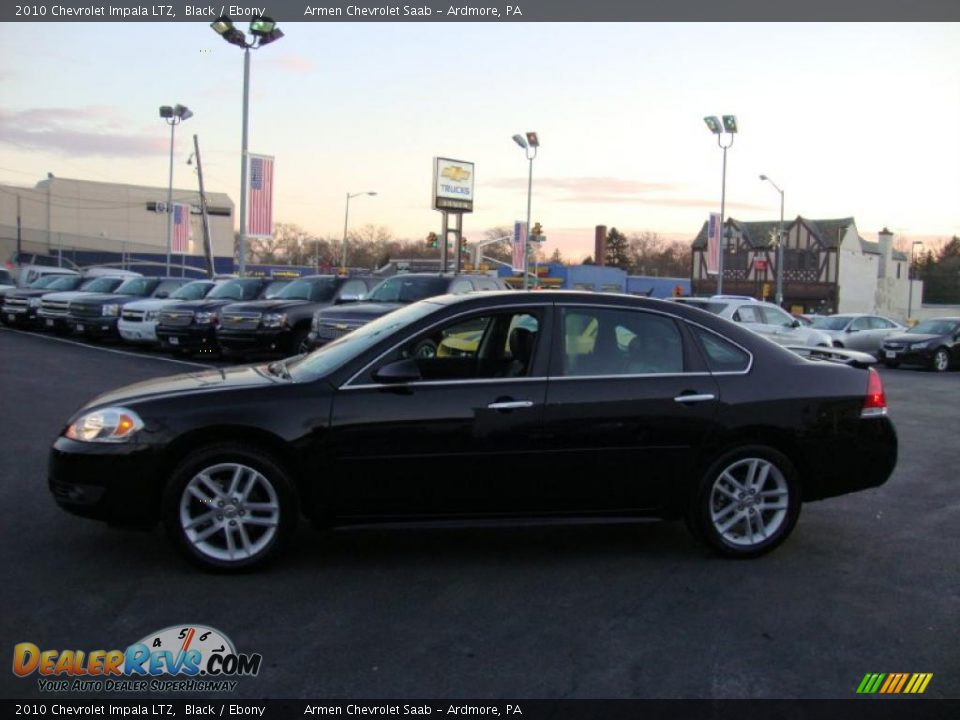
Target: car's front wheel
[747,502]
[229,507]
[941,360]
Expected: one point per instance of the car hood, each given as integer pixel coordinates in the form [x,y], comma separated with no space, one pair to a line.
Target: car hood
[200,305]
[151,304]
[910,337]
[65,296]
[244,376]
[358,312]
[104,298]
[33,292]
[265,306]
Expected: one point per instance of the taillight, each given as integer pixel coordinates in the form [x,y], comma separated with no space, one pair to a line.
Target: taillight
[875,404]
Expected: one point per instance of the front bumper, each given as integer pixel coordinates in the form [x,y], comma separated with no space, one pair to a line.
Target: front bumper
[94,327]
[117,483]
[252,341]
[192,339]
[138,332]
[58,323]
[908,356]
[20,316]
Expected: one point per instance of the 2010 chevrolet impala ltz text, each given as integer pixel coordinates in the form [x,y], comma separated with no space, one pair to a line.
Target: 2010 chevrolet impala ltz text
[544,404]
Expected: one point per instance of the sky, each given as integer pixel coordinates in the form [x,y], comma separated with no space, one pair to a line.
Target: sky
[848,119]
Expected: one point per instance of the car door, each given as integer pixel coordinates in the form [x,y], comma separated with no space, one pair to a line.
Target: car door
[460,438]
[859,335]
[783,327]
[628,402]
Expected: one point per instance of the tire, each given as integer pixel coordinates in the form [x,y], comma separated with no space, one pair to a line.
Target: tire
[425,349]
[726,520]
[940,362]
[298,343]
[242,529]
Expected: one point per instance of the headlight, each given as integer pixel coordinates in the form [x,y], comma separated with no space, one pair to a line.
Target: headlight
[919,345]
[274,320]
[110,310]
[35,302]
[114,425]
[205,318]
[150,315]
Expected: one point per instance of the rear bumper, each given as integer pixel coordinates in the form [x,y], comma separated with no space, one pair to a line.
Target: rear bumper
[865,459]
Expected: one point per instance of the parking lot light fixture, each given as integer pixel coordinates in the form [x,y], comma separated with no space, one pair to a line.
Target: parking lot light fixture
[264,31]
[729,127]
[174,115]
[346,219]
[529,145]
[778,296]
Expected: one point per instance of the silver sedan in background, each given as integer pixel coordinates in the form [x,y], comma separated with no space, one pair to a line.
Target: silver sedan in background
[857,331]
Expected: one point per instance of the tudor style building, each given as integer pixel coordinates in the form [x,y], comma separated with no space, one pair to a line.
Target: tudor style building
[827,266]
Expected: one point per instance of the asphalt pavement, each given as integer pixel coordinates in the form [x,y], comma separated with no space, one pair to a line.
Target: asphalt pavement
[869,582]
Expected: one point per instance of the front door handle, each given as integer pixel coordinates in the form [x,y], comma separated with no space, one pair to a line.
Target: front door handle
[510,405]
[692,398]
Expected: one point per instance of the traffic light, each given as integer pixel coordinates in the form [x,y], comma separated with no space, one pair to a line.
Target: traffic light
[432,240]
[537,229]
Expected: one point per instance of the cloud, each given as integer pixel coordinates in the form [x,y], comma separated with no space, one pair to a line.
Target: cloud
[611,190]
[296,64]
[85,131]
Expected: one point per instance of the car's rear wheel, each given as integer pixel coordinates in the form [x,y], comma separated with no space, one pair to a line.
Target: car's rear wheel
[747,502]
[229,507]
[941,360]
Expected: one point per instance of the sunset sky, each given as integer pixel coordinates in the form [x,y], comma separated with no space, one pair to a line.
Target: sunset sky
[849,119]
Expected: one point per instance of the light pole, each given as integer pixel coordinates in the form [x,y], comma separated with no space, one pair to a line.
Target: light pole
[346,219]
[529,145]
[729,127]
[910,272]
[264,31]
[778,296]
[174,116]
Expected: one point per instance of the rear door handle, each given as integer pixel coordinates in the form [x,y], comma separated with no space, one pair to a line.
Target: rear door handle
[510,405]
[705,397]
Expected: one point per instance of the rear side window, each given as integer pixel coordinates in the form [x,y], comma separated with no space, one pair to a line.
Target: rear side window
[722,355]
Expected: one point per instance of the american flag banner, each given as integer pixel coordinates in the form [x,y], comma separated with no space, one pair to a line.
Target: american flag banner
[519,245]
[181,228]
[713,244]
[260,199]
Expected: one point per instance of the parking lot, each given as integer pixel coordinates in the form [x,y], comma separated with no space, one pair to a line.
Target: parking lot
[867,583]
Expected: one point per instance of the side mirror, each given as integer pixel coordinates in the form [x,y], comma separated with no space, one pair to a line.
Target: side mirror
[795,324]
[851,329]
[162,294]
[399,371]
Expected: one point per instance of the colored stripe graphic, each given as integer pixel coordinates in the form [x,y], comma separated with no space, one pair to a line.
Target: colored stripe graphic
[894,683]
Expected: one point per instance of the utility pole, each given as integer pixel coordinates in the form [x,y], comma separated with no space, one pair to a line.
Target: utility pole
[207,248]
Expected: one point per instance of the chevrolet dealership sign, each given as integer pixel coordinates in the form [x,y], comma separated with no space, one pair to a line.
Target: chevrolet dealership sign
[452,185]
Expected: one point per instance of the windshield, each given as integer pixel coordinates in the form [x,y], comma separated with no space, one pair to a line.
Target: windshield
[274,288]
[192,291]
[246,289]
[934,327]
[315,290]
[65,283]
[138,287]
[408,289]
[334,355]
[5,277]
[101,285]
[45,281]
[834,322]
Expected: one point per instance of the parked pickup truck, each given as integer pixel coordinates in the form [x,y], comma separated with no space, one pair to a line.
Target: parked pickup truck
[55,306]
[190,327]
[96,316]
[281,325]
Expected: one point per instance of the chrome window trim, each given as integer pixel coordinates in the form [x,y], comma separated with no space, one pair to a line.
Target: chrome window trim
[441,383]
[347,384]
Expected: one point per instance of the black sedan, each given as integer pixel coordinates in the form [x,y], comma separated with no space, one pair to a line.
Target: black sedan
[932,343]
[548,404]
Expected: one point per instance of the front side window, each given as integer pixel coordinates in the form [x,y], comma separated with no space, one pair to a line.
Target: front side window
[778,317]
[606,341]
[861,323]
[748,314]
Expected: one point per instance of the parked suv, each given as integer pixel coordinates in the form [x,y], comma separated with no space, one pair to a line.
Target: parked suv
[20,306]
[281,325]
[96,316]
[138,320]
[187,327]
[934,343]
[763,318]
[393,293]
[54,310]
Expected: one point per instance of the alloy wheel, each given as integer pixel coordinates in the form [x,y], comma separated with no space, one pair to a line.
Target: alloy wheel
[749,501]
